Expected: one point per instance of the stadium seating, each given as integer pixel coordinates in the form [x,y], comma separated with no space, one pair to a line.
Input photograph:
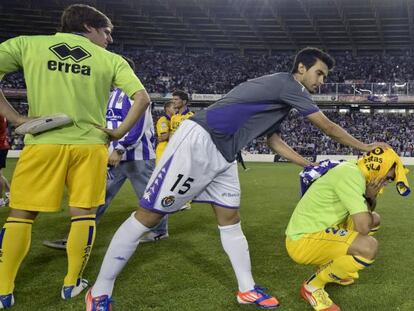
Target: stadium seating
[162,72]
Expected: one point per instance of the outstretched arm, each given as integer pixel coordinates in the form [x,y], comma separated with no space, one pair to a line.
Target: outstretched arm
[339,134]
[279,146]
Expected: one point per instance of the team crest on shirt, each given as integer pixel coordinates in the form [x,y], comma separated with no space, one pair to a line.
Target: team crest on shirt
[168,201]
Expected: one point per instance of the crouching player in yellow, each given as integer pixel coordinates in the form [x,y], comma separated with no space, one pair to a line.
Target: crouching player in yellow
[331,224]
[163,130]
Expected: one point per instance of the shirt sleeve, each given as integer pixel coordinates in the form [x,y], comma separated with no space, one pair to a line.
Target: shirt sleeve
[125,78]
[10,55]
[350,189]
[133,137]
[297,96]
[162,126]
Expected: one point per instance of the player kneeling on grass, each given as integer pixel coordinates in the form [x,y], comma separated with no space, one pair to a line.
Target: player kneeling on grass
[331,224]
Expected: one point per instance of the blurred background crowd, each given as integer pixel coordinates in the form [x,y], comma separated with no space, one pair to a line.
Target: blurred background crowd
[163,71]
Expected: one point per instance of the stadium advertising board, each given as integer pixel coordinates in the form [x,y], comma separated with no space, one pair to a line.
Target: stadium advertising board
[206,97]
[15,93]
[325,98]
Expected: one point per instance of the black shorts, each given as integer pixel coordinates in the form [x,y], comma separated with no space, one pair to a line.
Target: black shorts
[3,157]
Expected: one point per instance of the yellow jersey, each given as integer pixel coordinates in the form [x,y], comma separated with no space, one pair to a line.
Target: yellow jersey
[162,127]
[178,118]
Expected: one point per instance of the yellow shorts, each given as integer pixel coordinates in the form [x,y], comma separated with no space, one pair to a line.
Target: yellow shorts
[159,150]
[43,171]
[320,247]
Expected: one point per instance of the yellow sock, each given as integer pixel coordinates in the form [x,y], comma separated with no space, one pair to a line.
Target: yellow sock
[340,268]
[15,239]
[80,241]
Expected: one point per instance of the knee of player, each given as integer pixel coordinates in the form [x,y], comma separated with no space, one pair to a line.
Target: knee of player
[369,247]
[376,219]
[365,246]
[147,217]
[226,216]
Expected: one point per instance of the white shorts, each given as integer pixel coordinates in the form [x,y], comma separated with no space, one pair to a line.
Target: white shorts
[191,169]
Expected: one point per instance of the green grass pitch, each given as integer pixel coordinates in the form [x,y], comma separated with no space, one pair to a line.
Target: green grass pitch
[190,271]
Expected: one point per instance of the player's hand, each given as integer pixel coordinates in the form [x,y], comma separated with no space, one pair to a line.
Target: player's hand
[374,145]
[373,187]
[113,134]
[114,159]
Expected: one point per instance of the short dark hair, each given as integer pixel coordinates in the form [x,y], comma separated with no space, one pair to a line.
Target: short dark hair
[308,57]
[76,15]
[167,104]
[130,62]
[183,95]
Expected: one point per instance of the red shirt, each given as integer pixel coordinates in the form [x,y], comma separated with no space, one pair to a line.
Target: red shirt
[4,139]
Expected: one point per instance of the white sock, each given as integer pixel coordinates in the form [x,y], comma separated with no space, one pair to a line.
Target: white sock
[235,245]
[122,246]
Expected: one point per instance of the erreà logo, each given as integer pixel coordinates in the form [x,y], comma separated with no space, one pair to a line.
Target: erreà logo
[65,52]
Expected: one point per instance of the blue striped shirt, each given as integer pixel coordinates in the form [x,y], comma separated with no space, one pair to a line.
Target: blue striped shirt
[139,142]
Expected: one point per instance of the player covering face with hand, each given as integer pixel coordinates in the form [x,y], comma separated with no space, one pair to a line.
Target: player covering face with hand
[332,224]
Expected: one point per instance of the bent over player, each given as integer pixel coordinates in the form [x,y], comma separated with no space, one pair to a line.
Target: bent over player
[199,164]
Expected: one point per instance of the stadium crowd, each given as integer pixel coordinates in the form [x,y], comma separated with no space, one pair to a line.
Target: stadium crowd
[13,81]
[163,71]
[394,128]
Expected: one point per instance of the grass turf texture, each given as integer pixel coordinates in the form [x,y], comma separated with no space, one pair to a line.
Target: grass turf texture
[190,271]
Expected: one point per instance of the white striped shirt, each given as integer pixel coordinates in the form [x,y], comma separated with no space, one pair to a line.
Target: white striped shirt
[139,142]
